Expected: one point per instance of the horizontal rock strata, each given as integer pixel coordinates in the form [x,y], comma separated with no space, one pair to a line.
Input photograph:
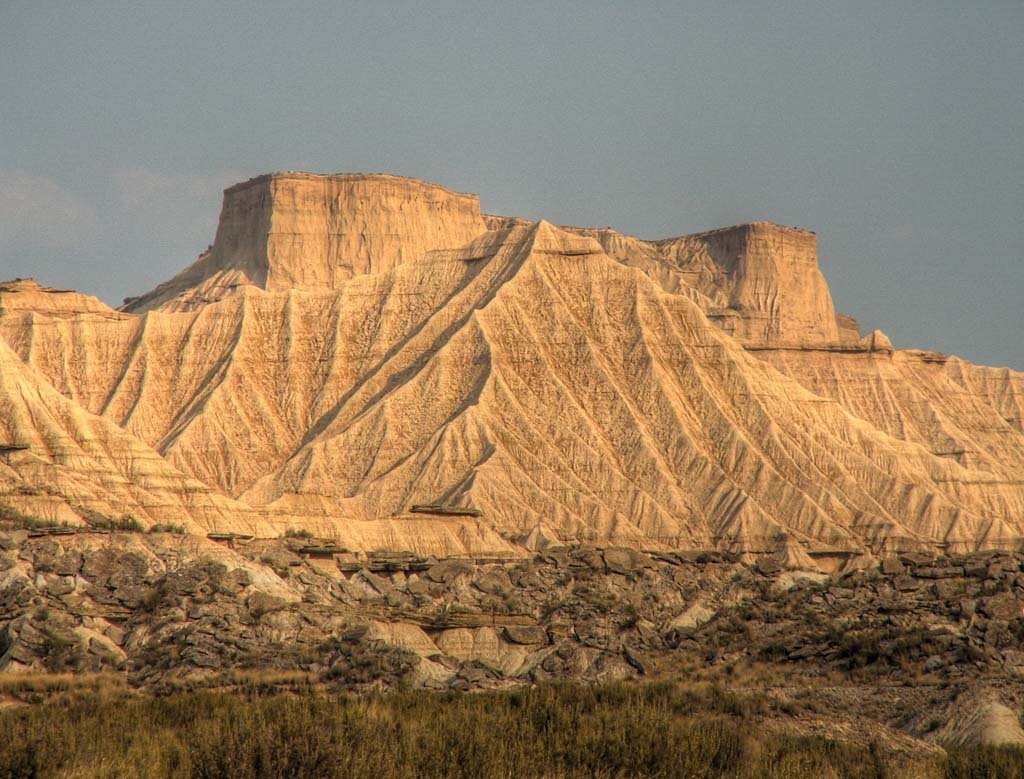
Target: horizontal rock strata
[165,609]
[353,347]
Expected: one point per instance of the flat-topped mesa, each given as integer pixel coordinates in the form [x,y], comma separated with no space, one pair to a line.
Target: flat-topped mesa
[765,281]
[312,232]
[565,383]
[760,282]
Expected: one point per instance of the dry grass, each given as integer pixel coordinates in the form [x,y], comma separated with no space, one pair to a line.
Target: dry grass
[48,683]
[551,731]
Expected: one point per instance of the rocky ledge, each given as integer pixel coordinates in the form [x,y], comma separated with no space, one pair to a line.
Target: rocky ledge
[161,605]
[902,646]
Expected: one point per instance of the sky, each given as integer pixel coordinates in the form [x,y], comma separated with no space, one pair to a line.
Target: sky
[893,130]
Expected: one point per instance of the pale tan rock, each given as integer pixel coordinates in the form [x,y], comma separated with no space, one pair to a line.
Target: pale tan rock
[28,295]
[979,719]
[876,341]
[485,645]
[355,345]
[789,579]
[306,231]
[404,635]
[760,282]
[694,616]
[790,555]
[74,463]
[1000,388]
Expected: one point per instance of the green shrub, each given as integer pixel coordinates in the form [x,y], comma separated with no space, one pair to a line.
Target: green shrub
[164,527]
[126,524]
[14,519]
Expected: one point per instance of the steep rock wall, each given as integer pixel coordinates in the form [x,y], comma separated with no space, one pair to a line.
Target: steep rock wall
[759,282]
[355,345]
[310,232]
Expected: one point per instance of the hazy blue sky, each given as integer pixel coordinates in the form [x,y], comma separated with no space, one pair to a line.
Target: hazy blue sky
[893,129]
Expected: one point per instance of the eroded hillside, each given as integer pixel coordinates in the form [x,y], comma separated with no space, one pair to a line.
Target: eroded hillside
[353,347]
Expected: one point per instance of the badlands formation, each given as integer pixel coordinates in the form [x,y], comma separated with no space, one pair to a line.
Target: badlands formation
[374,360]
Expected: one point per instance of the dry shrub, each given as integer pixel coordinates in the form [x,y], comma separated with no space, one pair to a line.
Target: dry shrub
[551,731]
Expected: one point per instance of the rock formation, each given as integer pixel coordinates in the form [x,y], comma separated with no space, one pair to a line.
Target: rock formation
[302,231]
[352,346]
[929,646]
[759,282]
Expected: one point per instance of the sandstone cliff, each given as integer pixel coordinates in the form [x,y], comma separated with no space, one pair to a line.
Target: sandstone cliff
[759,282]
[312,232]
[355,346]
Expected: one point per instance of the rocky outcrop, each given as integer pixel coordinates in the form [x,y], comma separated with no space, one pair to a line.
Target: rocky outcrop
[160,607]
[58,462]
[759,282]
[768,279]
[25,296]
[309,232]
[356,346]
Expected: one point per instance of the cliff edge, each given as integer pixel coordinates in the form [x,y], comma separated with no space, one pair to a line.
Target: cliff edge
[312,232]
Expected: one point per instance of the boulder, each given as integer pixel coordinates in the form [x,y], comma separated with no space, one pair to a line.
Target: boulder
[447,571]
[939,572]
[98,565]
[260,603]
[906,583]
[58,585]
[69,564]
[891,566]
[695,615]
[493,582]
[46,555]
[418,588]
[1004,606]
[526,634]
[626,561]
[587,557]
[234,582]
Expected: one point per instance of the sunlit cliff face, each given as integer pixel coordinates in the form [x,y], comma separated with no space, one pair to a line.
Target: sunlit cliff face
[351,346]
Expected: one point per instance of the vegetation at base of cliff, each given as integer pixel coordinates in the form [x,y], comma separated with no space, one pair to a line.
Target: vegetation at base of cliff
[12,519]
[552,731]
[168,527]
[125,524]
